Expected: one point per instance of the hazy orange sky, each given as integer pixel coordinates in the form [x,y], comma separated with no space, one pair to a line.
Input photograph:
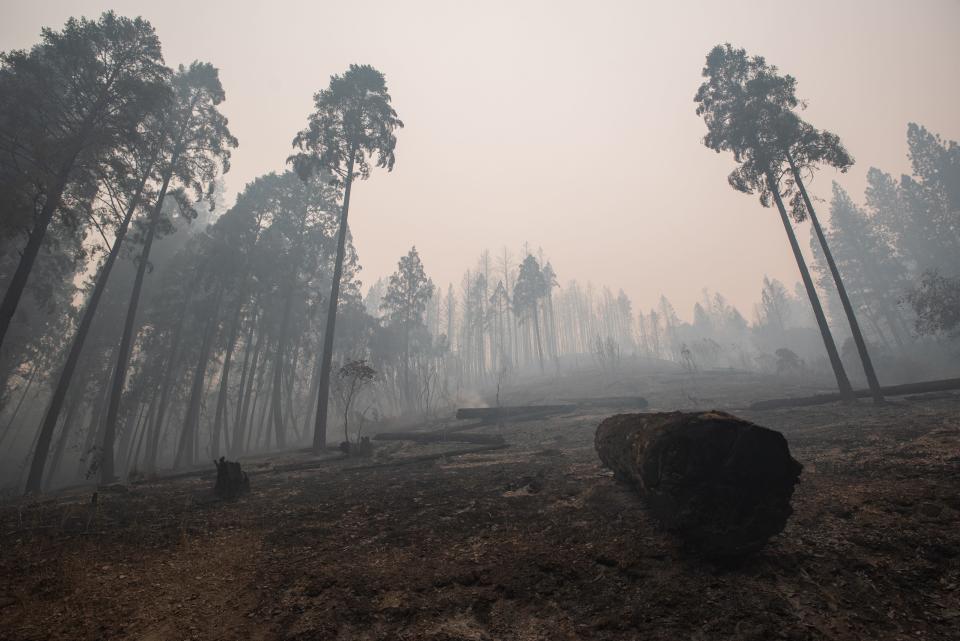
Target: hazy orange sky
[568,125]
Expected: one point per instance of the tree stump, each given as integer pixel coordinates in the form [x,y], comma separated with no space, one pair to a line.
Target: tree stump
[231,480]
[362,448]
[720,483]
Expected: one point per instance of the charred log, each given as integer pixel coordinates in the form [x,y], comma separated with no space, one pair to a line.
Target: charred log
[925,387]
[614,402]
[441,437]
[522,413]
[720,483]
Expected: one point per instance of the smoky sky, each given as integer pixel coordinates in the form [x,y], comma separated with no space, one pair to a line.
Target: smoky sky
[566,125]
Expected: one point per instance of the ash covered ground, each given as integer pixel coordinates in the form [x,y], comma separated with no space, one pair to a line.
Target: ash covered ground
[530,541]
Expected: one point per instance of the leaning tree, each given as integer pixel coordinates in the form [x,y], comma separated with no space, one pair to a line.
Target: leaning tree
[66,104]
[124,181]
[198,145]
[743,101]
[806,148]
[351,129]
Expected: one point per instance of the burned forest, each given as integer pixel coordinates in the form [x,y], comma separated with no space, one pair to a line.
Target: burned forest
[470,322]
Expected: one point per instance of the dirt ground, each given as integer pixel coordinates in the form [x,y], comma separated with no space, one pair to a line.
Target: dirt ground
[532,541]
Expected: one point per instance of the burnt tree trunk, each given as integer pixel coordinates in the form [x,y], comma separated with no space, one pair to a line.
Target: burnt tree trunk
[220,417]
[841,289]
[843,383]
[722,484]
[231,480]
[191,425]
[323,392]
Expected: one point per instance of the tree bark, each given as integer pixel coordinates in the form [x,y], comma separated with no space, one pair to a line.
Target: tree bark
[323,394]
[843,383]
[871,375]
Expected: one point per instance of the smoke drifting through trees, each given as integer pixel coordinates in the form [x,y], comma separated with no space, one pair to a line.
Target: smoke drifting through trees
[147,325]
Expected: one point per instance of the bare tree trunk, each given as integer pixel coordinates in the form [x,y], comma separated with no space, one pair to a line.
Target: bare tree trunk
[266,420]
[258,391]
[406,367]
[312,395]
[872,381]
[277,391]
[843,383]
[220,416]
[290,387]
[128,442]
[83,329]
[107,474]
[173,364]
[323,394]
[94,428]
[536,332]
[147,424]
[246,385]
[68,420]
[191,423]
[16,410]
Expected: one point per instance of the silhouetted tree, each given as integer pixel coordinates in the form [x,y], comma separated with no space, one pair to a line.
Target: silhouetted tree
[139,158]
[197,148]
[353,124]
[65,104]
[742,102]
[806,148]
[405,302]
[527,292]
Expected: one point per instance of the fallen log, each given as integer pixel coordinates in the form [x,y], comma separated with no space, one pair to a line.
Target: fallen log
[425,458]
[440,437]
[722,484]
[520,413]
[923,387]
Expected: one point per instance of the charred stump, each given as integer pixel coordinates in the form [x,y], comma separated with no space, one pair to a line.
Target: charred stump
[362,448]
[231,480]
[720,483]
